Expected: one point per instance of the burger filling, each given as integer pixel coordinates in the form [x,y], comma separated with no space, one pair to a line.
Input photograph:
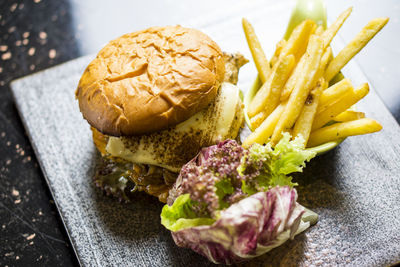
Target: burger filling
[172,148]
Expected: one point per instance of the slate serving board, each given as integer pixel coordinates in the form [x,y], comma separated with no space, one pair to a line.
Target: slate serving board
[355,188]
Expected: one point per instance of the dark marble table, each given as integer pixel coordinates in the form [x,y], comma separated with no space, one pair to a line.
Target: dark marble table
[37,34]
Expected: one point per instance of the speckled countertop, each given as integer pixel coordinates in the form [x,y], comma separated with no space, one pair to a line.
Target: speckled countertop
[37,34]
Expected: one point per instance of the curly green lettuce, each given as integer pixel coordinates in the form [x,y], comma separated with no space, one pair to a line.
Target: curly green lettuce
[276,163]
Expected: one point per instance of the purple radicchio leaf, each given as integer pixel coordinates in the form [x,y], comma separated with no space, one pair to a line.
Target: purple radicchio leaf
[248,228]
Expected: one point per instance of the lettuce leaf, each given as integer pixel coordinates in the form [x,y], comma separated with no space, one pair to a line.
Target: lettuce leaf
[181,215]
[223,187]
[290,155]
[248,228]
[249,190]
[287,157]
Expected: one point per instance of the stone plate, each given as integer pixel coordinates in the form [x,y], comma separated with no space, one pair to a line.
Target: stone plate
[355,188]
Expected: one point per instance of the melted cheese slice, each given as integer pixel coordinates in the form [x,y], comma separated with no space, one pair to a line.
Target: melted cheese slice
[174,147]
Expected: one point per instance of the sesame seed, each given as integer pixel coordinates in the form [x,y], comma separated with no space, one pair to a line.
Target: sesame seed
[3,48]
[25,35]
[25,41]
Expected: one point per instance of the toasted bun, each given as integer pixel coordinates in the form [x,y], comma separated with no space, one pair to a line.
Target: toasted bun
[149,80]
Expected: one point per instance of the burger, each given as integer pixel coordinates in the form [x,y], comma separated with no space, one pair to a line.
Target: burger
[164,112]
[153,99]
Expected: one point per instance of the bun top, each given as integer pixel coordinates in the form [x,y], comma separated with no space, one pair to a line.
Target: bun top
[149,80]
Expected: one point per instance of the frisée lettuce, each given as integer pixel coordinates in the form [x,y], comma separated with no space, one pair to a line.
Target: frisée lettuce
[287,157]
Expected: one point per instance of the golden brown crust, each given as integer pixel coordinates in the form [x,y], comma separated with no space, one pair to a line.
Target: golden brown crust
[150,80]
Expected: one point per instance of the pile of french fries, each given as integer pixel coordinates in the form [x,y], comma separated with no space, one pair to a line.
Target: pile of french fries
[295,95]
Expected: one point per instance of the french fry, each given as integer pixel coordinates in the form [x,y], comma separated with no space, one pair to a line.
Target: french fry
[334,93]
[284,69]
[271,89]
[279,46]
[337,78]
[334,28]
[341,130]
[331,55]
[319,30]
[298,76]
[257,119]
[343,104]
[262,133]
[303,45]
[301,32]
[349,115]
[322,65]
[257,52]
[291,82]
[314,28]
[306,117]
[352,48]
[301,90]
[304,122]
[287,89]
[326,57]
[298,40]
